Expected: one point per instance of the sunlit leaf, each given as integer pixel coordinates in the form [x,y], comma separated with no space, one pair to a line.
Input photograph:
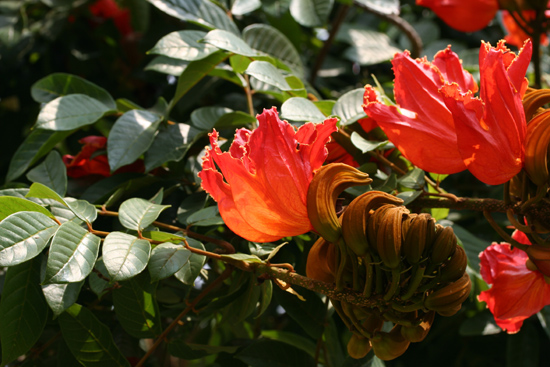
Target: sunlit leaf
[125,255]
[183,45]
[61,296]
[311,13]
[301,109]
[267,73]
[348,107]
[191,269]
[228,41]
[166,259]
[10,205]
[138,213]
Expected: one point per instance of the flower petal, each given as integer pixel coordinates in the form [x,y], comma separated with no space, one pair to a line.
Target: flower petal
[464,16]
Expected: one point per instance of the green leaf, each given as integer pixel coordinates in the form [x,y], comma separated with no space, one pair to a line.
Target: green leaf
[366,145]
[296,340]
[205,217]
[383,6]
[61,296]
[166,260]
[472,245]
[203,13]
[98,285]
[325,106]
[61,84]
[267,73]
[310,315]
[10,205]
[242,7]
[35,146]
[71,112]
[52,173]
[271,41]
[183,45]
[414,179]
[301,109]
[72,255]
[272,353]
[311,13]
[191,269]
[158,197]
[163,236]
[245,305]
[23,309]
[138,213]
[194,72]
[348,107]
[389,185]
[24,235]
[136,307]
[167,65]
[125,255]
[205,118]
[131,136]
[89,340]
[265,297]
[228,41]
[409,196]
[438,213]
[235,119]
[243,257]
[368,47]
[239,63]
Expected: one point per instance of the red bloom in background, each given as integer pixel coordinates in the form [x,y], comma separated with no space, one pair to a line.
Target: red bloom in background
[463,15]
[109,9]
[91,161]
[517,292]
[337,154]
[516,35]
[491,129]
[422,128]
[262,188]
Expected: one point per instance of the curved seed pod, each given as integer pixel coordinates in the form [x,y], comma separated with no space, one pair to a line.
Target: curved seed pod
[358,347]
[388,346]
[329,182]
[415,239]
[450,296]
[537,141]
[373,324]
[540,257]
[533,100]
[444,246]
[452,269]
[355,219]
[388,238]
[416,334]
[374,223]
[406,224]
[321,261]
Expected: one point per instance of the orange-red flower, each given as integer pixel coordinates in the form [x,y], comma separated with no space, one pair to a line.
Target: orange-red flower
[517,292]
[422,128]
[516,35]
[262,188]
[109,9]
[92,161]
[491,129]
[463,15]
[442,128]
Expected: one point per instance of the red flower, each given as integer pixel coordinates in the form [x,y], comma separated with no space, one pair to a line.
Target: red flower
[517,292]
[463,15]
[422,128]
[337,154]
[516,35]
[109,9]
[89,161]
[262,188]
[491,129]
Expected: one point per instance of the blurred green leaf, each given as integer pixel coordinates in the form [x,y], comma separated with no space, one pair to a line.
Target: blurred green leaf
[242,7]
[409,196]
[23,309]
[52,173]
[138,213]
[71,112]
[311,13]
[205,118]
[301,109]
[72,255]
[167,65]
[267,73]
[171,144]
[366,145]
[125,255]
[24,235]
[130,137]
[383,6]
[414,179]
[89,340]
[368,47]
[183,45]
[228,41]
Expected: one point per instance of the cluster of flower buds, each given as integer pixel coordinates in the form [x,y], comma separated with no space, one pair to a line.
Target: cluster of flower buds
[408,266]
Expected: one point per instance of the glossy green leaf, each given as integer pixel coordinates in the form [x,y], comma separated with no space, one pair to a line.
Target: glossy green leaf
[325,106]
[367,145]
[205,118]
[98,284]
[23,309]
[269,40]
[348,107]
[10,205]
[163,236]
[166,259]
[167,65]
[242,257]
[136,307]
[301,109]
[311,13]
[131,136]
[71,112]
[409,196]
[24,235]
[414,179]
[382,6]
[228,41]
[35,146]
[205,217]
[61,296]
[72,255]
[138,213]
[194,72]
[191,269]
[51,172]
[242,7]
[89,340]
[265,297]
[438,213]
[272,353]
[389,185]
[183,45]
[190,205]
[61,84]
[368,47]
[245,305]
[235,119]
[125,255]
[309,315]
[203,13]
[239,63]
[267,73]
